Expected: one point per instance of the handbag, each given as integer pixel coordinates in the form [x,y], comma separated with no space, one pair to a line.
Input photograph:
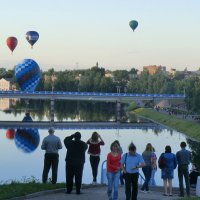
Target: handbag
[124,174]
[161,163]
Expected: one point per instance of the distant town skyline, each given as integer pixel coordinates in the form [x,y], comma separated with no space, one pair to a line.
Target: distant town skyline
[76,34]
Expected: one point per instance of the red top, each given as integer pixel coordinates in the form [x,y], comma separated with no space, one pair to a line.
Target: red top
[94,148]
[113,162]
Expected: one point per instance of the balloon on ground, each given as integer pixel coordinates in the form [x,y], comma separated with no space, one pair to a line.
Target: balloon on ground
[11,43]
[32,37]
[27,74]
[133,24]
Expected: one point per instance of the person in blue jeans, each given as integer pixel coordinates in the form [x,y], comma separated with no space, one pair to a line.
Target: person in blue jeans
[147,169]
[130,164]
[154,169]
[113,171]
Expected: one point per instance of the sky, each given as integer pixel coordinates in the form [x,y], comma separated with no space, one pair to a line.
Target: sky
[75,34]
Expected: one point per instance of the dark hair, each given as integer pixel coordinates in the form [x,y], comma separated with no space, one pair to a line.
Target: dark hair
[27,114]
[94,137]
[131,147]
[113,144]
[168,149]
[183,145]
[77,136]
[117,142]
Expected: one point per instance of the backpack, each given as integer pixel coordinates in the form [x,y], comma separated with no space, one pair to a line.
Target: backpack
[161,161]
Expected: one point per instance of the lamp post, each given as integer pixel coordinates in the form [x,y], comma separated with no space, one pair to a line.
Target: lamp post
[118,88]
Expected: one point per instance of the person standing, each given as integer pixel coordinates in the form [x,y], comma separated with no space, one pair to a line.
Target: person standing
[154,168]
[184,158]
[130,163]
[94,151]
[51,144]
[169,163]
[27,117]
[75,159]
[113,171]
[147,169]
[121,152]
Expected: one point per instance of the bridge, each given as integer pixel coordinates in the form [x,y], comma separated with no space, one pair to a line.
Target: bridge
[87,96]
[79,125]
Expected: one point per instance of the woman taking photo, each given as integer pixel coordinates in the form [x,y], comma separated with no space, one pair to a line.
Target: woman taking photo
[94,151]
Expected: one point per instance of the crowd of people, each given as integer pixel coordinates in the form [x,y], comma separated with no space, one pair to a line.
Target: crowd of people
[121,167]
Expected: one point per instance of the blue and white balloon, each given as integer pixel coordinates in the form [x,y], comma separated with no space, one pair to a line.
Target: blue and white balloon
[32,37]
[27,74]
[27,140]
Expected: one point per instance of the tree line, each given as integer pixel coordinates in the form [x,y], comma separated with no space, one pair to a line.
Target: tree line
[123,81]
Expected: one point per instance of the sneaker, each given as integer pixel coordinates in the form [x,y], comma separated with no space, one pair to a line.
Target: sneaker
[144,191]
[94,183]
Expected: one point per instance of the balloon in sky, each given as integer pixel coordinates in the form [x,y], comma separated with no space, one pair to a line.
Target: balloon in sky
[27,140]
[32,37]
[11,43]
[10,133]
[133,24]
[27,74]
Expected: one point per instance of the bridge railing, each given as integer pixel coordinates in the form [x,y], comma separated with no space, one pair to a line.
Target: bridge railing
[17,92]
[104,178]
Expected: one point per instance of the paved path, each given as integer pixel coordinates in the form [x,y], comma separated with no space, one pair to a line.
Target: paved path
[99,193]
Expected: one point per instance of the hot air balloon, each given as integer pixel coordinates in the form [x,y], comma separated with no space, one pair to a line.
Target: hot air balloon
[10,133]
[27,140]
[27,74]
[11,43]
[133,24]
[32,37]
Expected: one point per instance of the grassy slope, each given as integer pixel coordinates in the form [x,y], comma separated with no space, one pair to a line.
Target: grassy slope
[192,129]
[20,189]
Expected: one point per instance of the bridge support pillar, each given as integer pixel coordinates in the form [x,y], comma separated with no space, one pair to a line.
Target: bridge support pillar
[118,111]
[52,111]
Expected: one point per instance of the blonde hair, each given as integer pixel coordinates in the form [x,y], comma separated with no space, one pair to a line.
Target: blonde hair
[149,147]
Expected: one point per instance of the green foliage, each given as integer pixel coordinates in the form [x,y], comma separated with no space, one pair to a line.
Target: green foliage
[15,189]
[25,186]
[94,80]
[190,128]
[132,106]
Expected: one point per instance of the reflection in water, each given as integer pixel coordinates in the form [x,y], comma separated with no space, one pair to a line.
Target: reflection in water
[10,133]
[27,140]
[195,148]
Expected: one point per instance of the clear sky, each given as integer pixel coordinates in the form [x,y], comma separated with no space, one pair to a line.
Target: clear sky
[78,33]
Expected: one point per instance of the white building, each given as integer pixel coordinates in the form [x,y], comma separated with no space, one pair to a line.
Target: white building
[7,84]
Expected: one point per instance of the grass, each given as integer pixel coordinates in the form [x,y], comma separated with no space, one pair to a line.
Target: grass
[191,129]
[191,198]
[17,189]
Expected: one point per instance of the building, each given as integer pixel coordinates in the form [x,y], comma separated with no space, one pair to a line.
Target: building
[108,74]
[5,104]
[7,84]
[152,69]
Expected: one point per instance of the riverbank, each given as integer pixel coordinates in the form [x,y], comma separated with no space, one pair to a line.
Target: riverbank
[98,192]
[189,128]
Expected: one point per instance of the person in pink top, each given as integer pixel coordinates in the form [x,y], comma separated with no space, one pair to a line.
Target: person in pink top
[94,150]
[113,171]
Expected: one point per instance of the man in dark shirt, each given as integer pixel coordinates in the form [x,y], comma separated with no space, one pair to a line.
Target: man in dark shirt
[27,118]
[183,158]
[75,160]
